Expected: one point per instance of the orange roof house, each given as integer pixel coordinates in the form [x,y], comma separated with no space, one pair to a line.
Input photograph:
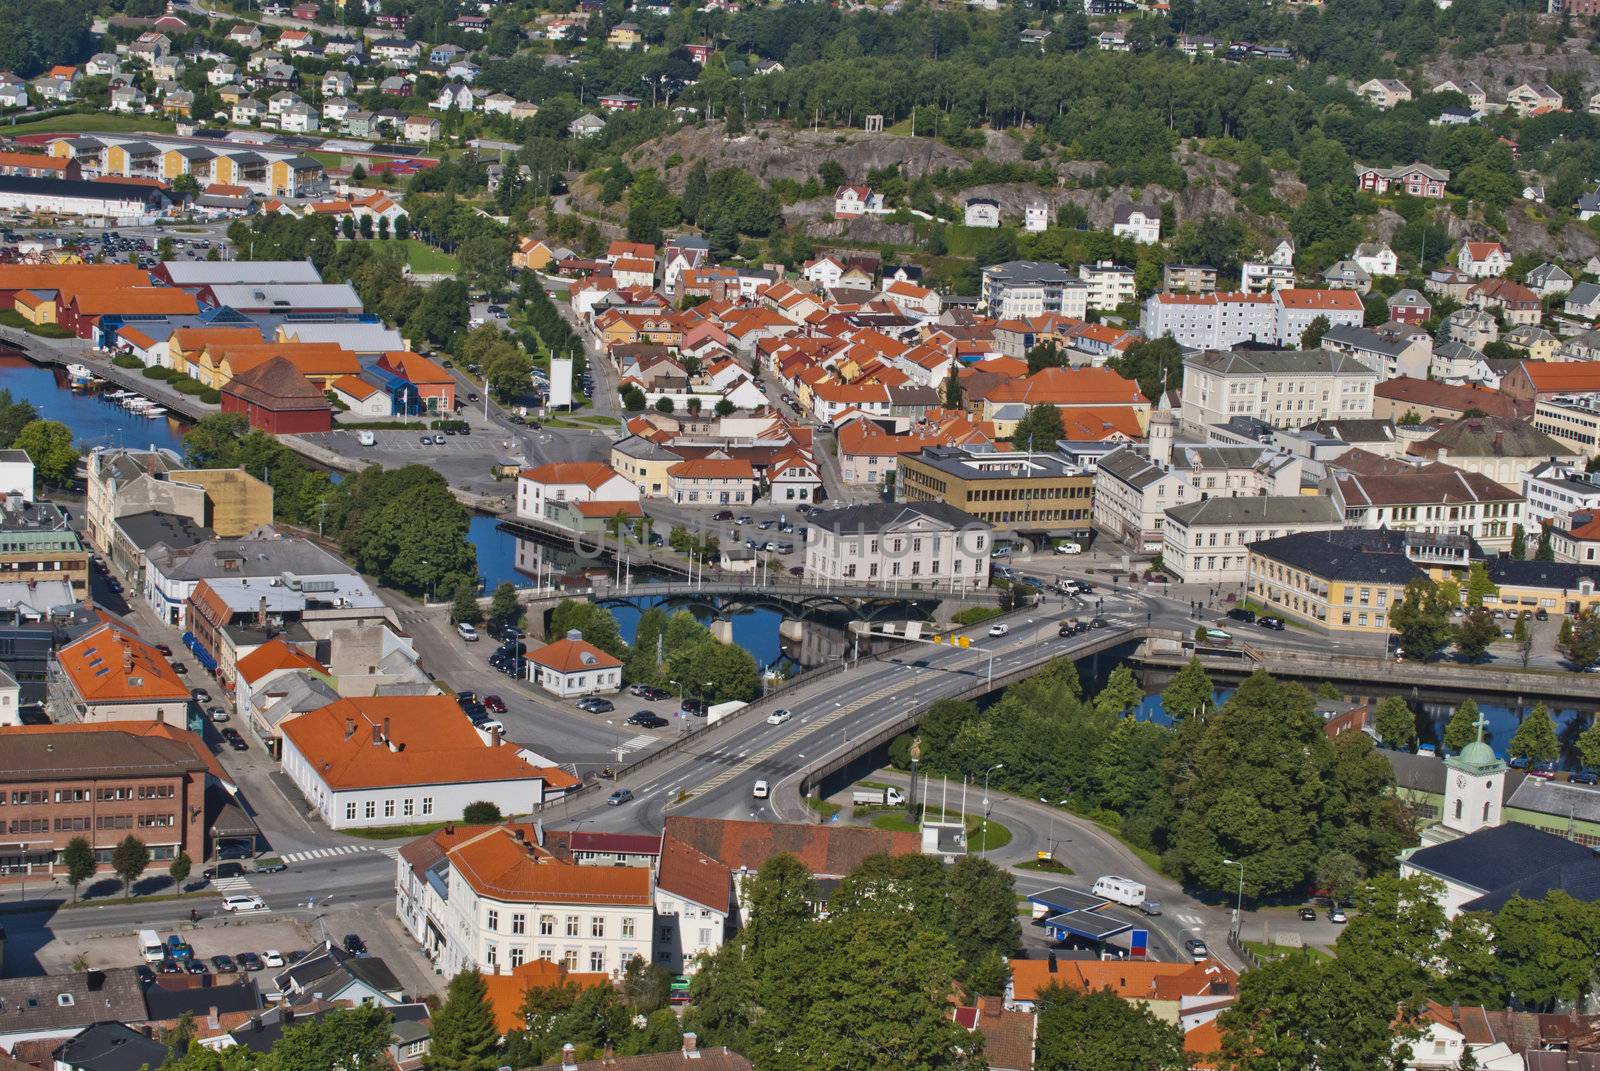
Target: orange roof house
[573,666]
[1062,387]
[507,991]
[113,675]
[1158,986]
[416,747]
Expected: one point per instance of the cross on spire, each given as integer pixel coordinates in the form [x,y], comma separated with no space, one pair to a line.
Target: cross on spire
[1482,723]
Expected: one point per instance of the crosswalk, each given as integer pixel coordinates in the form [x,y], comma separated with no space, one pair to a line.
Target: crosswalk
[343,849]
[233,886]
[1193,921]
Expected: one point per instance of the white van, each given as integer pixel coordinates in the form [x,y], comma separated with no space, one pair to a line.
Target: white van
[366,438]
[150,946]
[1119,890]
[761,790]
[467,632]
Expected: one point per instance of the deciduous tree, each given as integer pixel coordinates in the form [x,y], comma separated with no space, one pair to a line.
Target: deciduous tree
[78,858]
[1535,739]
[1100,1031]
[1395,723]
[1423,620]
[1462,728]
[128,860]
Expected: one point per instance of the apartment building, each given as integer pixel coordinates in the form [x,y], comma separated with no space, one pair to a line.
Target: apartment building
[1207,542]
[1036,494]
[1221,320]
[39,544]
[1110,284]
[1284,388]
[1557,489]
[1019,289]
[1573,420]
[1436,498]
[900,544]
[1347,581]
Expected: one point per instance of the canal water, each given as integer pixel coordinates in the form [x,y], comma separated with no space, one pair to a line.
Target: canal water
[98,421]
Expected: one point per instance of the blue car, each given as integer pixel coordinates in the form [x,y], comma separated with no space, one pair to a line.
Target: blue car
[1585,776]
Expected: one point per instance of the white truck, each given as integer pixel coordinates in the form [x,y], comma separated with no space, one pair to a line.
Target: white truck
[151,950]
[877,797]
[1120,890]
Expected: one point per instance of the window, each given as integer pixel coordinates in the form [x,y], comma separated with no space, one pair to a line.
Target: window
[350,811]
[597,961]
[547,925]
[388,807]
[517,956]
[519,923]
[491,955]
[570,959]
[371,809]
[597,926]
[572,925]
[427,805]
[408,807]
[494,919]
[627,927]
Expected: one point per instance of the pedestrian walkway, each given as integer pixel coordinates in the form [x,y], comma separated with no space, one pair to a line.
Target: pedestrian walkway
[343,849]
[239,886]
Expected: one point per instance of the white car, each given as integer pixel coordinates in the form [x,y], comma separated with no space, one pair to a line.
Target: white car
[999,630]
[1068,548]
[243,903]
[761,790]
[779,716]
[467,632]
[272,958]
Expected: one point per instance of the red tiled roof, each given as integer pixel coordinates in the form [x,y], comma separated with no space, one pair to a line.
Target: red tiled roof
[573,656]
[828,851]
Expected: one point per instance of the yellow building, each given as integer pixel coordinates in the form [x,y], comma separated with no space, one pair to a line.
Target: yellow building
[1018,493]
[533,255]
[643,463]
[236,502]
[37,306]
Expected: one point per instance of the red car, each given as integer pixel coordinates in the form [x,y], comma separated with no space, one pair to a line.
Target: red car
[494,704]
[164,649]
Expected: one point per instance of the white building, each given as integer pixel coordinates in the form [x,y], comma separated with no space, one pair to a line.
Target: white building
[1141,223]
[1036,217]
[569,481]
[396,760]
[1285,388]
[1207,542]
[495,898]
[572,667]
[1222,320]
[16,474]
[982,212]
[1019,289]
[1481,260]
[893,544]
[693,901]
[1376,258]
[1554,491]
[1110,284]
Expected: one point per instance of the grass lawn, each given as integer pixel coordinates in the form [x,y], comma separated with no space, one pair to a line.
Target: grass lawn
[1264,951]
[76,122]
[416,829]
[823,807]
[998,836]
[426,260]
[1051,867]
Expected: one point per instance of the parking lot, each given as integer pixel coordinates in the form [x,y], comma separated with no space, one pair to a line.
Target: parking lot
[229,937]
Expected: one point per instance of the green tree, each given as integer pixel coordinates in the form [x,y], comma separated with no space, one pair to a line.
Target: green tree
[1524,641]
[1547,948]
[1120,695]
[1155,364]
[1396,725]
[952,390]
[645,986]
[1339,873]
[464,607]
[1189,692]
[980,921]
[1475,634]
[1535,739]
[1100,1031]
[594,622]
[78,858]
[481,813]
[349,1039]
[1546,551]
[15,414]
[503,605]
[48,444]
[180,868]
[1423,620]
[1479,586]
[1462,728]
[1311,337]
[1589,744]
[128,860]
[1581,641]
[1519,542]
[1472,974]
[1039,429]
[464,1035]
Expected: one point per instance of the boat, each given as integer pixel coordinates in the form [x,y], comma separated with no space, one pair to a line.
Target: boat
[155,411]
[79,375]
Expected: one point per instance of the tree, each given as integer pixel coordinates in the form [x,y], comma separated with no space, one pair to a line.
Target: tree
[503,605]
[645,986]
[1156,364]
[1311,337]
[464,607]
[831,175]
[1479,586]
[214,441]
[1039,429]
[464,1035]
[1462,728]
[1339,873]
[1581,641]
[1189,692]
[14,416]
[78,858]
[1519,541]
[1524,641]
[1099,1031]
[1589,744]
[1423,620]
[48,444]
[952,390]
[1396,724]
[664,405]
[1547,947]
[724,407]
[1120,695]
[980,921]
[480,813]
[128,860]
[1546,551]
[1535,739]
[349,1039]
[1475,633]
[594,622]
[180,868]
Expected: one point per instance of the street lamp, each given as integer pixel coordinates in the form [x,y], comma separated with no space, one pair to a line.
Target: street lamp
[1049,840]
[1238,904]
[984,828]
[24,871]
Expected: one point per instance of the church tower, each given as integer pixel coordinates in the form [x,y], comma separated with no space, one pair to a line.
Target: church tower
[1474,786]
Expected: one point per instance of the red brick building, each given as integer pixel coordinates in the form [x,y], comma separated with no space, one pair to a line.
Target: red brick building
[101,782]
[277,399]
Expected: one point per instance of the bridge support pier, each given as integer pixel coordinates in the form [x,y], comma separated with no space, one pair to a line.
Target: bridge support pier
[722,631]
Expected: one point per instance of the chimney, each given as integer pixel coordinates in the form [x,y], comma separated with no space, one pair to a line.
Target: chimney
[212,1020]
[377,736]
[449,828]
[608,1055]
[1052,963]
[516,831]
[569,1057]
[386,728]
[691,1046]
[127,656]
[494,737]
[261,613]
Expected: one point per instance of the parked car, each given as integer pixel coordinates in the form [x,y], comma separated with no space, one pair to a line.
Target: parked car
[1151,907]
[494,704]
[235,741]
[223,963]
[249,961]
[467,632]
[180,668]
[619,797]
[647,719]
[693,708]
[1308,914]
[596,705]
[272,958]
[354,945]
[1273,623]
[722,515]
[1336,914]
[223,870]
[1585,776]
[201,696]
[1068,548]
[1238,613]
[217,714]
[243,903]
[164,649]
